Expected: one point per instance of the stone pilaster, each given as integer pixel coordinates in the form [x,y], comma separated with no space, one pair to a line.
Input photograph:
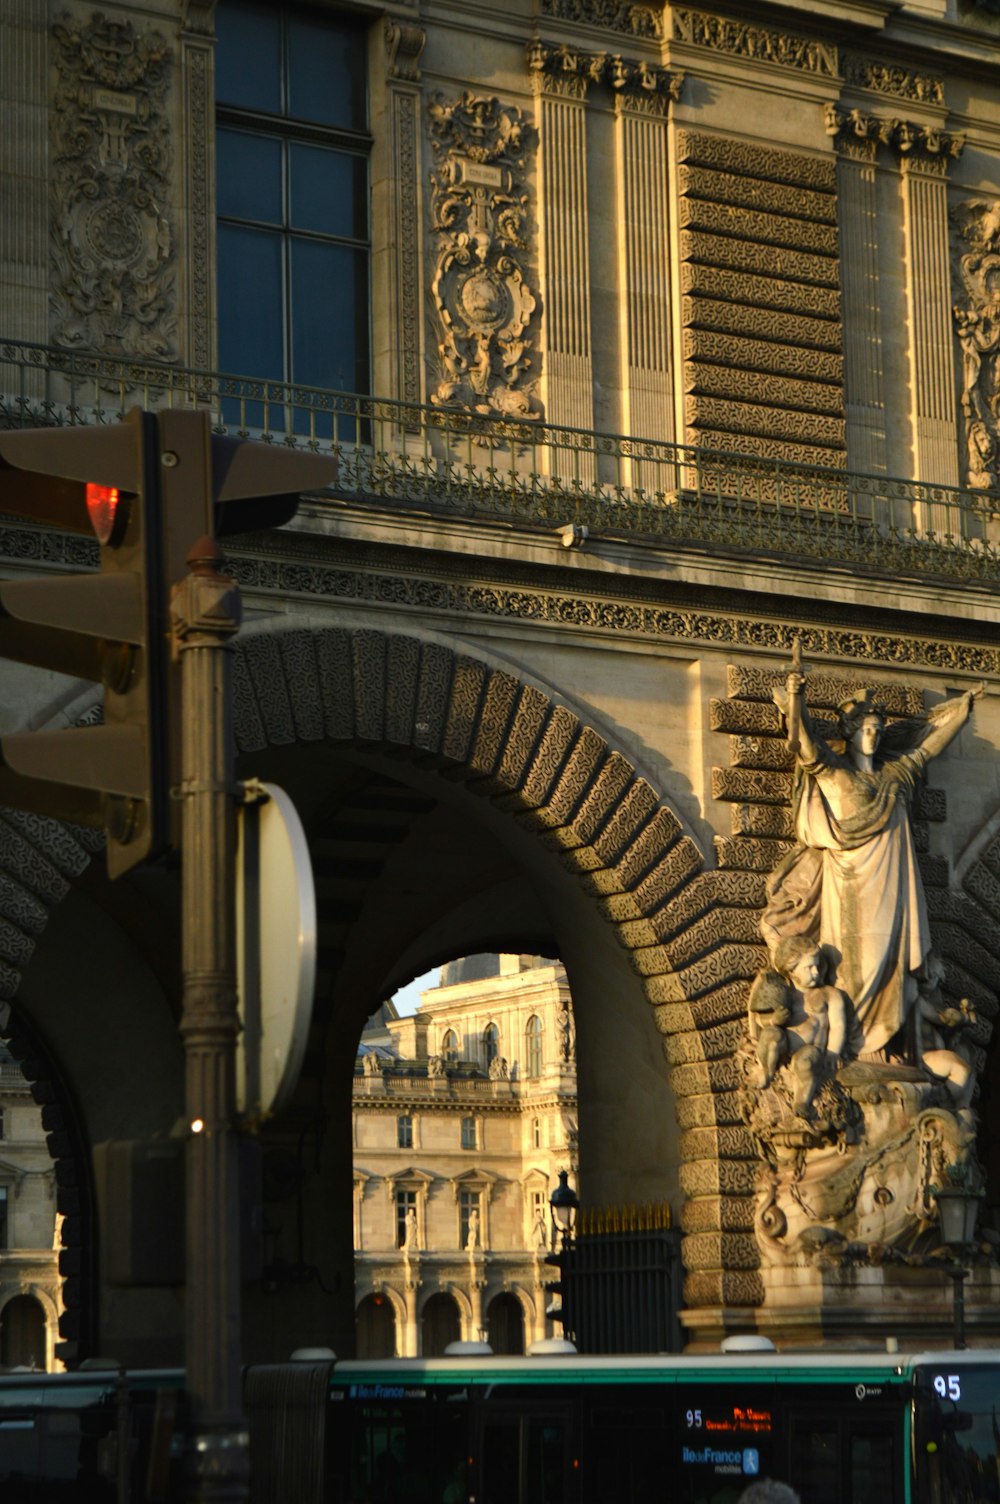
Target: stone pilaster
[642,172]
[198,266]
[404,44]
[24,216]
[933,416]
[565,259]
[859,279]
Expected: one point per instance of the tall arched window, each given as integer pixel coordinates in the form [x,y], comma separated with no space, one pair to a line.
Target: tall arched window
[533,1045]
[491,1044]
[449,1045]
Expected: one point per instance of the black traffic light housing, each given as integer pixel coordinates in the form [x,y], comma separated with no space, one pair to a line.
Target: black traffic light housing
[174,482]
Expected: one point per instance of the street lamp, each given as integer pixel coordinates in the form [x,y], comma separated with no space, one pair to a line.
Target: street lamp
[958,1209]
[564,1205]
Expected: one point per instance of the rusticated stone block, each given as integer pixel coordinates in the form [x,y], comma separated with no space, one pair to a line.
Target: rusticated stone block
[824,691]
[742,353]
[762,820]
[21,907]
[720,926]
[721,1250]
[263,658]
[931,804]
[751,786]
[463,709]
[744,158]
[433,692]
[587,756]
[733,1142]
[961,982]
[628,821]
[757,224]
[300,671]
[608,788]
[402,677]
[746,718]
[679,864]
[729,1290]
[730,963]
[760,752]
[548,760]
[368,655]
[984,887]
[727,415]
[708,1110]
[523,736]
[248,724]
[719,1177]
[495,712]
[786,330]
[790,452]
[25,862]
[785,392]
[703,280]
[707,1044]
[750,853]
[748,256]
[755,193]
[934,870]
[718,1214]
[700,1077]
[723,1006]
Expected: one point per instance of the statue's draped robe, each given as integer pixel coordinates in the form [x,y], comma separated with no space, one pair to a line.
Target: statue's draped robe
[852,884]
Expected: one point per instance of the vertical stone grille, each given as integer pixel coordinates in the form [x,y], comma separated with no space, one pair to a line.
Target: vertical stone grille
[760,282]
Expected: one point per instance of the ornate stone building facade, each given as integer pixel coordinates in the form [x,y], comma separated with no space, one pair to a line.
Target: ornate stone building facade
[681,327]
[461,1126]
[30,1294]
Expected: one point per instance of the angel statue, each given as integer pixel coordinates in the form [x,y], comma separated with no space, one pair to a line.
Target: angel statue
[851,883]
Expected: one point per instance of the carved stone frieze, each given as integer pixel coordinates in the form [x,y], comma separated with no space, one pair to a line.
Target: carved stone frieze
[113,287]
[481,288]
[894,79]
[404,42]
[760,44]
[628,16]
[976,276]
[624,76]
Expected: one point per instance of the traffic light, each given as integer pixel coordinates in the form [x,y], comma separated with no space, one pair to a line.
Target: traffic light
[147,489]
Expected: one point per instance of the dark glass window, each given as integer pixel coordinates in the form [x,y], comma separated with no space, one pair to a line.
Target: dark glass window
[292,197]
[533,1045]
[491,1044]
[468,1133]
[404,1131]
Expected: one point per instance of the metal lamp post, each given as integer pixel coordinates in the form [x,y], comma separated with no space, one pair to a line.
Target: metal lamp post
[958,1210]
[563,1207]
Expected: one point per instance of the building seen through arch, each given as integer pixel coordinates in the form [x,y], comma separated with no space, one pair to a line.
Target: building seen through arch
[451,1211]
[30,1285]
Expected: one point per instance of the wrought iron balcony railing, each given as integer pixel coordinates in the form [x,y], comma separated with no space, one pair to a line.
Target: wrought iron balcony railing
[427,459]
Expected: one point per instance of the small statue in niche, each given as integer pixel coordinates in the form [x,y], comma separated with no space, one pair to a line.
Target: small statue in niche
[804,1023]
[852,883]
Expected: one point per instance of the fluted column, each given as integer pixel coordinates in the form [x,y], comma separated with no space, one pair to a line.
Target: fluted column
[397,339]
[24,205]
[198,269]
[562,199]
[641,150]
[933,414]
[859,281]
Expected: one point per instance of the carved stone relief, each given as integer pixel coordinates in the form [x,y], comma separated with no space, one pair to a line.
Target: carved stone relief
[761,44]
[637,20]
[113,242]
[481,289]
[892,78]
[976,243]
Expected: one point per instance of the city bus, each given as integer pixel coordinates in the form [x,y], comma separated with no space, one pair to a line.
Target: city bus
[841,1428]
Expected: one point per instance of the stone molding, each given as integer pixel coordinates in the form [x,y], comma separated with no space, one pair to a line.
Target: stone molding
[624,76]
[404,43]
[759,44]
[634,19]
[113,240]
[485,306]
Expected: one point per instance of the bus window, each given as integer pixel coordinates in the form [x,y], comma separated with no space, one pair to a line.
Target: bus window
[501,1454]
[408,1454]
[957,1441]
[526,1460]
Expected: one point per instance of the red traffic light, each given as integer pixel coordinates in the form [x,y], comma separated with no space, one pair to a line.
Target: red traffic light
[103,510]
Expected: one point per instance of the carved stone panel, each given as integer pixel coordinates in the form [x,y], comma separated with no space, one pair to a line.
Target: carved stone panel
[976,276]
[113,277]
[758,236]
[484,302]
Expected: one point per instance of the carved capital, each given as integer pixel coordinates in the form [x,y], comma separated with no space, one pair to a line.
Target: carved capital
[922,146]
[404,43]
[624,76]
